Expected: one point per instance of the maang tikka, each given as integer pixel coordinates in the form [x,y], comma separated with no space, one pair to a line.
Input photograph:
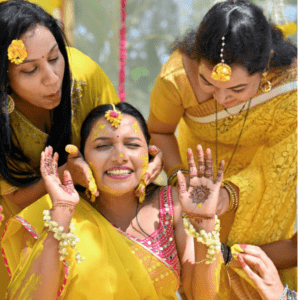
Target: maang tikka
[221,71]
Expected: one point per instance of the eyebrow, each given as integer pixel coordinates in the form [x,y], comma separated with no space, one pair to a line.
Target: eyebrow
[32,60]
[233,87]
[106,138]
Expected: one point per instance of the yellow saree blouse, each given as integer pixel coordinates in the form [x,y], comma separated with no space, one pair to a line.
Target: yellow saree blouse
[264,166]
[115,267]
[90,87]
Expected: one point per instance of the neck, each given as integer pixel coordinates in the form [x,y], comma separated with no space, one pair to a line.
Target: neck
[119,210]
[40,117]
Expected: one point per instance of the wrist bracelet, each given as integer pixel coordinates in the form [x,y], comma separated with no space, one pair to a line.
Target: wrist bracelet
[286,287]
[227,256]
[65,239]
[233,204]
[291,295]
[172,180]
[211,240]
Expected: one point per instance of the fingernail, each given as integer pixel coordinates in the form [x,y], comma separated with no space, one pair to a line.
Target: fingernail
[243,246]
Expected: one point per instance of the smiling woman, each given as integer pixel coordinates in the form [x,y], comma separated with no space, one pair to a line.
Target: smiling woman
[134,249]
[46,91]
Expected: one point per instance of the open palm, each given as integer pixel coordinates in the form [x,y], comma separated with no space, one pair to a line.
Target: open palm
[60,193]
[201,196]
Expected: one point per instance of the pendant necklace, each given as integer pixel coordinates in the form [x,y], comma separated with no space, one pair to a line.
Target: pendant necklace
[236,145]
[232,116]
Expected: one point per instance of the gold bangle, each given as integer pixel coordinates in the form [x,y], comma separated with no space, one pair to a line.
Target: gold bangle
[233,204]
[172,180]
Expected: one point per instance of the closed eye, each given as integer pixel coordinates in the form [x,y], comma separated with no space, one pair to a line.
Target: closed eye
[30,72]
[54,59]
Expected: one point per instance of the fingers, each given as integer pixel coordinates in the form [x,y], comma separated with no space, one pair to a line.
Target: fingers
[153,150]
[73,151]
[251,274]
[256,251]
[200,159]
[47,162]
[191,164]
[181,183]
[220,173]
[209,171]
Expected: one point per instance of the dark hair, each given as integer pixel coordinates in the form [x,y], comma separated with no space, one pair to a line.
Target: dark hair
[249,38]
[16,18]
[125,109]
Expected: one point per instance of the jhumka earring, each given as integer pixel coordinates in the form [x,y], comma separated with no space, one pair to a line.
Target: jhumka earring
[265,84]
[221,71]
[113,116]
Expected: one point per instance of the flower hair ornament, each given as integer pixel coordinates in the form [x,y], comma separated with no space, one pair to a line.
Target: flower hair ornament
[16,52]
[221,71]
[113,116]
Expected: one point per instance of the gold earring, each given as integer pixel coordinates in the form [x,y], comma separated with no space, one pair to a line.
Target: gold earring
[10,104]
[265,84]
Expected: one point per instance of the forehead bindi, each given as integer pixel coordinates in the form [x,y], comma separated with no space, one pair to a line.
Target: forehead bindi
[39,42]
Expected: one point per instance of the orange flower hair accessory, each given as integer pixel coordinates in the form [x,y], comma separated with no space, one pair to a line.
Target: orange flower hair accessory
[114,117]
[16,52]
[221,71]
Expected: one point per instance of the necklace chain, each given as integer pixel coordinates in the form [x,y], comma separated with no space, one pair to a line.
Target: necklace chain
[236,145]
[232,116]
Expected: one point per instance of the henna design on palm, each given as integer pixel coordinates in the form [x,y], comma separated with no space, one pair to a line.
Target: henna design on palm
[199,194]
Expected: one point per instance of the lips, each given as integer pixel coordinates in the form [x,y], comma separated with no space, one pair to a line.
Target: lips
[54,96]
[119,171]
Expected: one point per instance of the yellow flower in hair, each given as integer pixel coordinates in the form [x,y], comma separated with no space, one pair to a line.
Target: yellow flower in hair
[288,29]
[16,52]
[221,72]
[114,117]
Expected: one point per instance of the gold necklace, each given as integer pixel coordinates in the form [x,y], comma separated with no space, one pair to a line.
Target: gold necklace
[236,145]
[231,116]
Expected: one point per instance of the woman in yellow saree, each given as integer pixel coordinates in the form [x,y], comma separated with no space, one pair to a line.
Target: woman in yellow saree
[128,247]
[246,113]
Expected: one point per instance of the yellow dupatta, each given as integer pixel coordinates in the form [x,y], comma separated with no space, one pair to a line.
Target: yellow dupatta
[110,271]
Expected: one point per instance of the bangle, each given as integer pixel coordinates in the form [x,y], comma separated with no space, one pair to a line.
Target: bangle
[172,180]
[291,295]
[211,240]
[227,256]
[65,239]
[286,287]
[233,204]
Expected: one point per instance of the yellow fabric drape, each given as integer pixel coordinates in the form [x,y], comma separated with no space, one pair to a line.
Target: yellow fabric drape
[111,269]
[264,164]
[90,88]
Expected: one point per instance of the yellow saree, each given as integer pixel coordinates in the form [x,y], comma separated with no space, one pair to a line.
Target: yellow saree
[90,87]
[264,166]
[115,267]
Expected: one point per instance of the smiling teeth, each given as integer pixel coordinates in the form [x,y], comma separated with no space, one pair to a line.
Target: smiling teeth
[118,172]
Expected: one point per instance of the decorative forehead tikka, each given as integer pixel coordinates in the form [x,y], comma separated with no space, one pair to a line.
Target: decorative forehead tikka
[113,116]
[16,52]
[221,71]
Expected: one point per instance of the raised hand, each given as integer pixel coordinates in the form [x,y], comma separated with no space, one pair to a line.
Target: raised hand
[80,170]
[60,193]
[153,170]
[200,197]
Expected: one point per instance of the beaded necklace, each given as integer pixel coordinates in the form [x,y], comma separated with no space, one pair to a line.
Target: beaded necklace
[236,145]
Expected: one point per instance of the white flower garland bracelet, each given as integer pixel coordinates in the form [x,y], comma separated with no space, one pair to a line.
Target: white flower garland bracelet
[211,239]
[65,239]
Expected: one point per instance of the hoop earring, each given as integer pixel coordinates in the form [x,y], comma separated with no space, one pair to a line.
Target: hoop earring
[265,84]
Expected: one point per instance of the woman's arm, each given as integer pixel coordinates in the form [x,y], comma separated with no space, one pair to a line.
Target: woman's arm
[162,135]
[201,260]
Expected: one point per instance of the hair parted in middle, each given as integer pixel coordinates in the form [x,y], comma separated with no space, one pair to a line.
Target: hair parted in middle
[249,38]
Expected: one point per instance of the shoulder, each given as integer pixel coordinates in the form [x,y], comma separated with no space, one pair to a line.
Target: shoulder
[82,66]
[173,67]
